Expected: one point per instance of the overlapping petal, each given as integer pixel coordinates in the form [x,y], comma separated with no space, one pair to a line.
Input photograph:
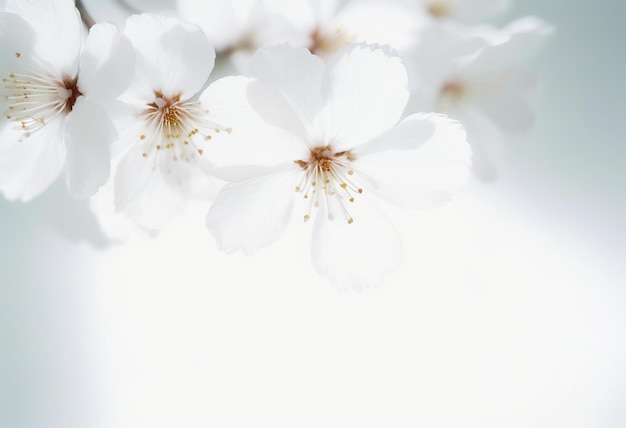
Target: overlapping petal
[173,58]
[106,63]
[365,88]
[28,165]
[417,164]
[250,214]
[88,148]
[59,32]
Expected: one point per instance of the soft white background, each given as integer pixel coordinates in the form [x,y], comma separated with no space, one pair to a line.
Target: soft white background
[509,309]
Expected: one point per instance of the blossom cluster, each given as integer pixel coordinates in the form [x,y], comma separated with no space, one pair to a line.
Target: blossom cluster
[322,109]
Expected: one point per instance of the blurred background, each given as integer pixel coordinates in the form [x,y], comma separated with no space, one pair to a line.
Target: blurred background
[507,312]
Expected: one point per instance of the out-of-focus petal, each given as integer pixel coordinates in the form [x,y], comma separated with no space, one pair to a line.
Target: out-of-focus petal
[59,32]
[366,91]
[89,133]
[173,57]
[250,214]
[417,172]
[517,43]
[28,165]
[224,22]
[356,256]
[106,63]
[508,112]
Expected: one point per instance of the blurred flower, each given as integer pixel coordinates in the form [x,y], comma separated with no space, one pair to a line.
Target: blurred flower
[476,75]
[54,85]
[459,11]
[167,123]
[342,144]
[238,29]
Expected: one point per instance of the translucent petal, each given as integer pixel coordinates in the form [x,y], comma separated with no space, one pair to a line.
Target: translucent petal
[148,193]
[356,256]
[224,22]
[297,75]
[106,63]
[417,172]
[59,32]
[173,57]
[251,140]
[366,91]
[509,112]
[514,45]
[89,133]
[251,214]
[28,165]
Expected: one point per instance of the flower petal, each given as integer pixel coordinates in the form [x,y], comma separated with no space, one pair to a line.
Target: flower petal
[59,32]
[515,44]
[416,171]
[508,112]
[149,193]
[250,214]
[173,57]
[106,62]
[366,90]
[297,74]
[224,22]
[89,133]
[358,255]
[16,36]
[29,165]
[251,141]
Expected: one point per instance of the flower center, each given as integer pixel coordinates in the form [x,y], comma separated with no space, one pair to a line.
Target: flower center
[327,174]
[439,8]
[328,41]
[34,99]
[450,93]
[176,126]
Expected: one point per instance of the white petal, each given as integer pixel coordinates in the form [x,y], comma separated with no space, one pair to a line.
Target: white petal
[173,57]
[249,215]
[251,141]
[107,62]
[297,74]
[28,165]
[369,21]
[417,172]
[224,22]
[149,193]
[366,90]
[510,113]
[358,255]
[515,44]
[89,133]
[16,37]
[409,134]
[59,31]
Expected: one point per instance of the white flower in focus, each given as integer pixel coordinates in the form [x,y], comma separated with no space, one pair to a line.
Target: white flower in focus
[477,76]
[54,86]
[341,146]
[169,125]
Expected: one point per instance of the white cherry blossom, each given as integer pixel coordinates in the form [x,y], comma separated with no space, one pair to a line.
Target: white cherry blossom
[343,146]
[169,123]
[478,77]
[458,11]
[54,85]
